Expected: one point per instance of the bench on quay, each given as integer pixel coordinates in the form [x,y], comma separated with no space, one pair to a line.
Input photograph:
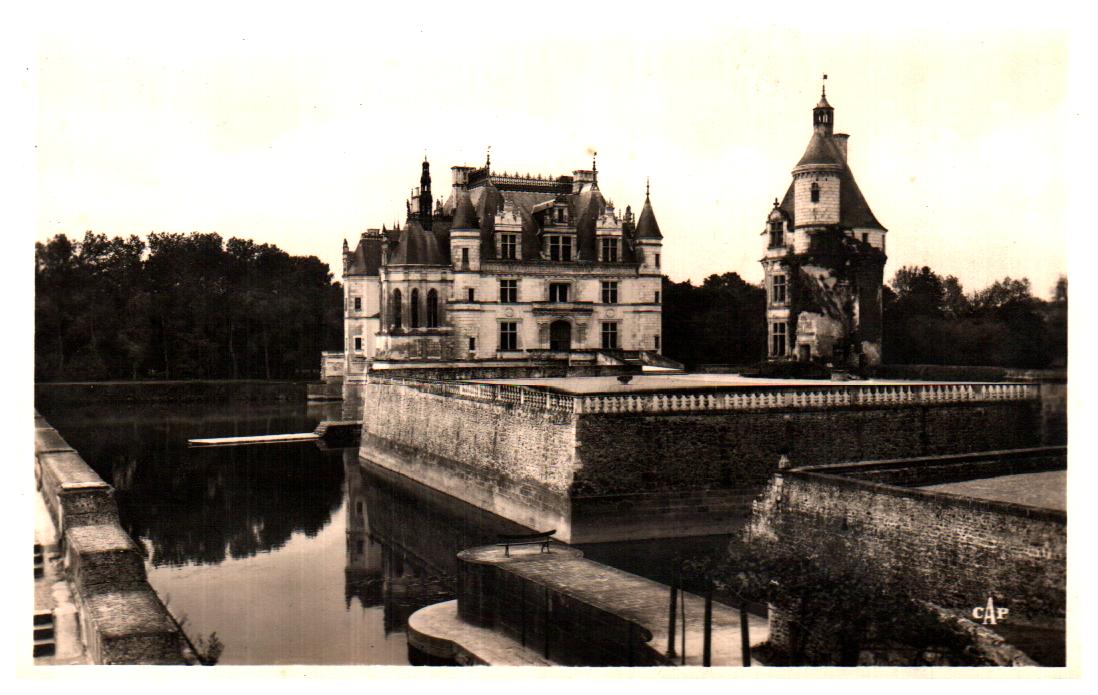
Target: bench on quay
[541,539]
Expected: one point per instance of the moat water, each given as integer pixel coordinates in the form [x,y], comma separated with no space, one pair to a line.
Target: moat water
[292,554]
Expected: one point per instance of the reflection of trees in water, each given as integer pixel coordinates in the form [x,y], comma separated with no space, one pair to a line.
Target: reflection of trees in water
[203,505]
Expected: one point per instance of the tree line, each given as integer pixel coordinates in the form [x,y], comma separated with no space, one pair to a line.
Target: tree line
[193,306]
[180,306]
[928,319]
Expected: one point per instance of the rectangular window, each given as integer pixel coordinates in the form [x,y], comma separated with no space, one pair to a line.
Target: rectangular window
[657,260]
[777,290]
[508,335]
[465,259]
[777,234]
[358,303]
[609,292]
[508,244]
[865,237]
[472,344]
[656,341]
[358,343]
[560,248]
[558,292]
[777,340]
[609,335]
[657,297]
[608,250]
[508,291]
[471,294]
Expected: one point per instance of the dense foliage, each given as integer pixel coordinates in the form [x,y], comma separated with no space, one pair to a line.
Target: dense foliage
[182,306]
[929,319]
[721,321]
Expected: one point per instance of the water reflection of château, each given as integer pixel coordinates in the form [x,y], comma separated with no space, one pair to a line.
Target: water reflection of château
[401,547]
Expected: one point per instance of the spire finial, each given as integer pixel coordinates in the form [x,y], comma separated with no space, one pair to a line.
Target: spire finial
[647,186]
[776,204]
[823,90]
[488,158]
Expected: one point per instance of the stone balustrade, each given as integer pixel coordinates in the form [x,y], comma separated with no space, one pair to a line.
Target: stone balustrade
[747,397]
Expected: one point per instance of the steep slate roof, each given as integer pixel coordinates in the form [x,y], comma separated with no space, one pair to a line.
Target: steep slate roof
[465,217]
[531,199]
[367,257]
[821,150]
[647,227]
[418,246]
[587,206]
[854,211]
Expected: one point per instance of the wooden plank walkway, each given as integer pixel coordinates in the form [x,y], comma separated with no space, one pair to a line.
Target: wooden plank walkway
[256,439]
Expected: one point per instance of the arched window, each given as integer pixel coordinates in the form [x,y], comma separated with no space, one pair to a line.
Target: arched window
[815,192]
[415,308]
[432,309]
[396,310]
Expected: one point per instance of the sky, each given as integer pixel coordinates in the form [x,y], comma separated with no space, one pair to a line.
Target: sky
[302,128]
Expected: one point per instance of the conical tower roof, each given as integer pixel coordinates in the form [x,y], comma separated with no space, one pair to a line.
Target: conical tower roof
[465,217]
[647,227]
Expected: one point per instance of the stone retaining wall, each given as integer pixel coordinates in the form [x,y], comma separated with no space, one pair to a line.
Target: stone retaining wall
[945,549]
[122,619]
[239,390]
[604,468]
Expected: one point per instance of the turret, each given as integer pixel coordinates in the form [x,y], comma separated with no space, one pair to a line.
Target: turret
[425,198]
[823,116]
[649,239]
[465,235]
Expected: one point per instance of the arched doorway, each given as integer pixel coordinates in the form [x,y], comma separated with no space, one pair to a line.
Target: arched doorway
[560,336]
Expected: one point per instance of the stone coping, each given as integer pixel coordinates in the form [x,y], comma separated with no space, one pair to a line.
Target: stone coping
[970,457]
[993,506]
[100,538]
[129,612]
[496,554]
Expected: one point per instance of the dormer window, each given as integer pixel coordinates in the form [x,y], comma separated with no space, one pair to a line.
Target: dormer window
[508,246]
[815,192]
[560,247]
[608,250]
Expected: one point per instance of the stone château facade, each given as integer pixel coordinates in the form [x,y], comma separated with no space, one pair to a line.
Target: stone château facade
[824,259]
[509,270]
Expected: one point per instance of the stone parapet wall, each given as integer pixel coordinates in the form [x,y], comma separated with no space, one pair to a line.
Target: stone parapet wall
[739,449]
[122,619]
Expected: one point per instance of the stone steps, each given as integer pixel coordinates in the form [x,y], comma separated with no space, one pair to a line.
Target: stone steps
[44,640]
[39,561]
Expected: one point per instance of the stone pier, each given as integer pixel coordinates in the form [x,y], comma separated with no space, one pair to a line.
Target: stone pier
[559,608]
